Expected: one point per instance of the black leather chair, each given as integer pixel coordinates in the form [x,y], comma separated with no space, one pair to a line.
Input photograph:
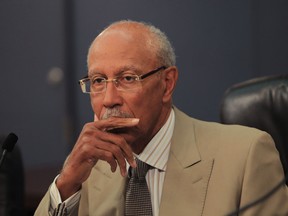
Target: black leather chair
[11,183]
[261,103]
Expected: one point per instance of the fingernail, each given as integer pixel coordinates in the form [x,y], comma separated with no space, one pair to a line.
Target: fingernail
[133,164]
[124,173]
[135,120]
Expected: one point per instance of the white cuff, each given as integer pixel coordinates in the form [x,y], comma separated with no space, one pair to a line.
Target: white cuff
[55,198]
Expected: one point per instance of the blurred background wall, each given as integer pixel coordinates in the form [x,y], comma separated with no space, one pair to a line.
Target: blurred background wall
[43,47]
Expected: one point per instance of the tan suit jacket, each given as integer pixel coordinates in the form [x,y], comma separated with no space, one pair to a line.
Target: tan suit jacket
[212,170]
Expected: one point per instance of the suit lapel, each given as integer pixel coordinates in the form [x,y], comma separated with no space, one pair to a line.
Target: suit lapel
[187,176]
[105,185]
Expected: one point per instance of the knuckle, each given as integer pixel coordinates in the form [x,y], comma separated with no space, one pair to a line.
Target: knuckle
[120,140]
[107,156]
[86,150]
[115,150]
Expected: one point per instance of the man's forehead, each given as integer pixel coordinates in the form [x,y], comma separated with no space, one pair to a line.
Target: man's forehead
[116,47]
[119,45]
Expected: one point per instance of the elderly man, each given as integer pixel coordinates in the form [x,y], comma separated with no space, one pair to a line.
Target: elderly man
[193,167]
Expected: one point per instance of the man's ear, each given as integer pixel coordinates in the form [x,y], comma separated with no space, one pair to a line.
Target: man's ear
[170,77]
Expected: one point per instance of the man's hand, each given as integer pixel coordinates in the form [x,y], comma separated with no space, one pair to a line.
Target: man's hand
[94,143]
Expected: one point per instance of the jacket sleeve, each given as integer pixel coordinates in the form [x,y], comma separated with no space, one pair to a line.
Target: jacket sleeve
[45,208]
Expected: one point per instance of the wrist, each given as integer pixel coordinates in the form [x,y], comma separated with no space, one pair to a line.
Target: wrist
[65,187]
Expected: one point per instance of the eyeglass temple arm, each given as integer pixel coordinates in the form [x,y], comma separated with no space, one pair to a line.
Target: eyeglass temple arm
[152,72]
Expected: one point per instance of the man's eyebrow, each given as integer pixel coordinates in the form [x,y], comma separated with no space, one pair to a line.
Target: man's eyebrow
[119,71]
[129,68]
[94,72]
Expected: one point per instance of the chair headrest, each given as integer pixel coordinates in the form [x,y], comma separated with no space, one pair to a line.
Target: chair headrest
[261,103]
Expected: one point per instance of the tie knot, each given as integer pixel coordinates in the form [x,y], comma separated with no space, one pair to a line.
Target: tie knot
[141,169]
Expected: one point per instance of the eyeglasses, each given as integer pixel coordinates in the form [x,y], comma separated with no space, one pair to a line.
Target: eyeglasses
[125,82]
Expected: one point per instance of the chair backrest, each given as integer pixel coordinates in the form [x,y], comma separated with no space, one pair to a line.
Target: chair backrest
[261,103]
[11,183]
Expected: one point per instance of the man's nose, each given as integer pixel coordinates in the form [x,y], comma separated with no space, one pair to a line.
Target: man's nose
[112,97]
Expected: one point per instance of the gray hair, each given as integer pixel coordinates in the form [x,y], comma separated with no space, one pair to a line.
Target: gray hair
[158,40]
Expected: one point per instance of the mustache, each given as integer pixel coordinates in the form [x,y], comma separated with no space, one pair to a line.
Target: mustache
[116,112]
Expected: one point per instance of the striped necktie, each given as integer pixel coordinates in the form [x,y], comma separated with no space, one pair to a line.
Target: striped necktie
[138,200]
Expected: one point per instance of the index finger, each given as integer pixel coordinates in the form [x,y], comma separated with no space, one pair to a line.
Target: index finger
[116,122]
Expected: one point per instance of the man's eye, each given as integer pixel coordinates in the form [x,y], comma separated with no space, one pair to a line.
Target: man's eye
[98,80]
[128,78]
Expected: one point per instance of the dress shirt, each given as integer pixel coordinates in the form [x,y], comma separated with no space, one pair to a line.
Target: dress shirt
[155,154]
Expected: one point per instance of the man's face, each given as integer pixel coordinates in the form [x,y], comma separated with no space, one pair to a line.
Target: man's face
[112,53]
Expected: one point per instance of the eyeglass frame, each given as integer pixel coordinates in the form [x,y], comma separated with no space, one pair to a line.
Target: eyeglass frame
[82,82]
